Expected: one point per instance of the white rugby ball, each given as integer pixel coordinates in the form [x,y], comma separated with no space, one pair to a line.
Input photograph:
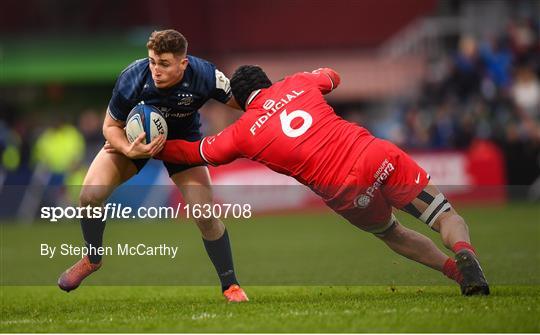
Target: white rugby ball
[148,119]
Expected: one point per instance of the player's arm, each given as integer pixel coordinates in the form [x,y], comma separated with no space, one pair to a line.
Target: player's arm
[114,133]
[181,152]
[123,99]
[214,150]
[326,79]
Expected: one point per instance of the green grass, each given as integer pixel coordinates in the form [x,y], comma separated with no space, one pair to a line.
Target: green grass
[303,272]
[272,309]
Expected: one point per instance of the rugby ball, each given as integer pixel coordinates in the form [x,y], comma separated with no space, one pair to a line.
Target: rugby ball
[148,119]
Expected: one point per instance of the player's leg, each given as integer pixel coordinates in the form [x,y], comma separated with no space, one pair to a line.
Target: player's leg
[407,187]
[432,207]
[375,216]
[398,179]
[366,199]
[412,244]
[195,185]
[107,171]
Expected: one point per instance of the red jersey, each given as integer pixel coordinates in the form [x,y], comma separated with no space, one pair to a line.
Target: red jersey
[290,128]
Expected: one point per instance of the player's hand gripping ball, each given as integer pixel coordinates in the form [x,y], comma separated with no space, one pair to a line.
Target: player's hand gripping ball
[148,119]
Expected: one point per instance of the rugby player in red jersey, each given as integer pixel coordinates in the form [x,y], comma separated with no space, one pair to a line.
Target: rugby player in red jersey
[289,127]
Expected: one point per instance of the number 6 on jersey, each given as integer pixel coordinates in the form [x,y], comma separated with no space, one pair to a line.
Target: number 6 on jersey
[286,121]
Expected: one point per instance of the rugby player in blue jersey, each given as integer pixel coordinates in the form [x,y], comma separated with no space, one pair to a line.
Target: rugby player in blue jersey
[178,84]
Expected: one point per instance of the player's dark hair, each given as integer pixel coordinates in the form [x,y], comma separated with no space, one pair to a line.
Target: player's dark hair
[163,41]
[246,79]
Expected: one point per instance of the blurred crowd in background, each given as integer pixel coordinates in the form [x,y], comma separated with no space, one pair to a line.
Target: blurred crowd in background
[475,87]
[480,89]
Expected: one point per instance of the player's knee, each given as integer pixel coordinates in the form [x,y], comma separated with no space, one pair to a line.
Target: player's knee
[207,224]
[92,196]
[449,219]
[390,229]
[437,209]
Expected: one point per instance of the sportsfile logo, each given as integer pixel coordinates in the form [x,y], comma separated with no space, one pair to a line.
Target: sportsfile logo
[120,211]
[383,172]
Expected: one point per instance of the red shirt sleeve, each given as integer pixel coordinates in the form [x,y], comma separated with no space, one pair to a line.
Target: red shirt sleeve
[181,152]
[221,148]
[326,79]
[214,150]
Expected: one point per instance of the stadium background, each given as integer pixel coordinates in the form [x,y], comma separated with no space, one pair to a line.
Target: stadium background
[432,76]
[456,83]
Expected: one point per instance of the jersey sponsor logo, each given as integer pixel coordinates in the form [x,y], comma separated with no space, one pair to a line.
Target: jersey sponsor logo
[177,115]
[269,104]
[384,171]
[168,112]
[272,107]
[362,201]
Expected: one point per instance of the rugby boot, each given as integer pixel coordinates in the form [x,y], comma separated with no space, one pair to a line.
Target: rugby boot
[474,282]
[235,294]
[72,277]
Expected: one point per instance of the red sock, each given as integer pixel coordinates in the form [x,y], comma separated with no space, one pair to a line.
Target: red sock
[463,245]
[451,270]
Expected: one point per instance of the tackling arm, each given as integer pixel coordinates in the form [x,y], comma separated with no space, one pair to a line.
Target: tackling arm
[214,150]
[181,152]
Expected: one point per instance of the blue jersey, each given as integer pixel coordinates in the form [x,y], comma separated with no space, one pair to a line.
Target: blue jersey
[179,103]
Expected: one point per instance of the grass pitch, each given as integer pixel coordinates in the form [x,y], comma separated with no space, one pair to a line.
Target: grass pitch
[271,309]
[303,273]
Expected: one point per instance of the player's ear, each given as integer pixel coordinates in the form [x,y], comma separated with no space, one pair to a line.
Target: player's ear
[184,62]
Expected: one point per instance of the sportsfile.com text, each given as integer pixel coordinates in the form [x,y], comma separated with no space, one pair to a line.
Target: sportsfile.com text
[119,211]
